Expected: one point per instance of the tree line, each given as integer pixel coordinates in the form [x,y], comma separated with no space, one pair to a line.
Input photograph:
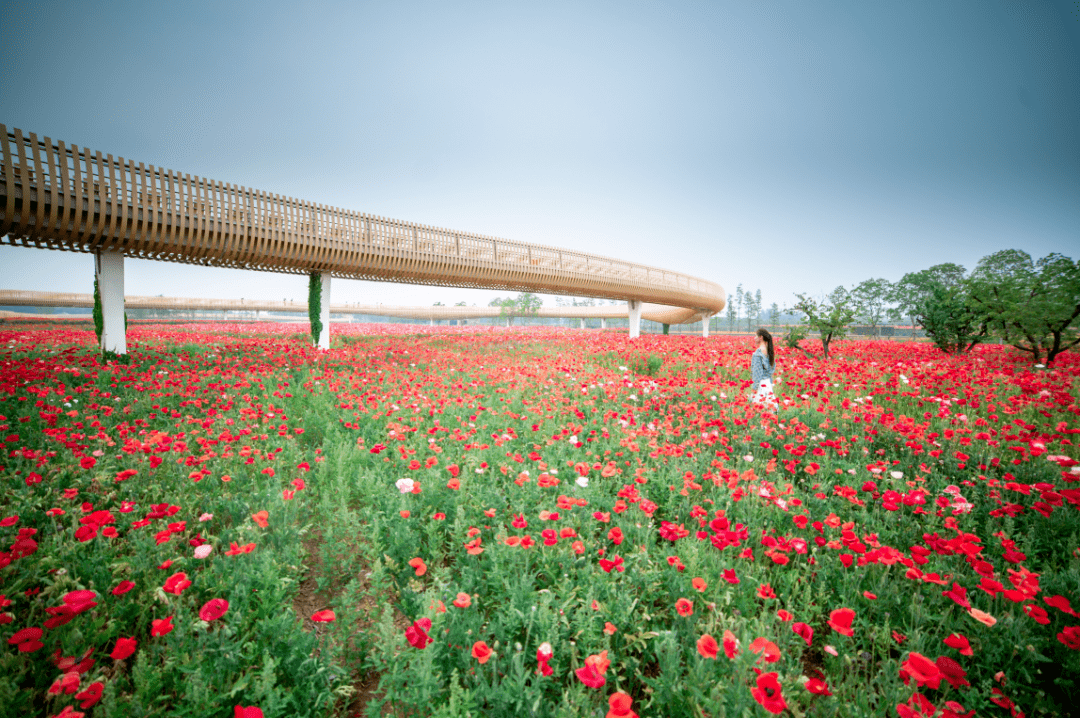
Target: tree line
[1030,305]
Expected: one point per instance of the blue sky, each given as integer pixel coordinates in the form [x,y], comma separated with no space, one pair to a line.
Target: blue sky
[786,146]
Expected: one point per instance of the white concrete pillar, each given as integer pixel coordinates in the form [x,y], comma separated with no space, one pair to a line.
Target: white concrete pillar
[634,305]
[508,322]
[705,326]
[324,311]
[582,320]
[109,266]
[432,322]
[603,323]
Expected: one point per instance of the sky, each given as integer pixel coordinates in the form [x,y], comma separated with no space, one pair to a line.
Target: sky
[789,147]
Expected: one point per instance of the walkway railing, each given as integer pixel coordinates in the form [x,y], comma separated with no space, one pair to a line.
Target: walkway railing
[55,195]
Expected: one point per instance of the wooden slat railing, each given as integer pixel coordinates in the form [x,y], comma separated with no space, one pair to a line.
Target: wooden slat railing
[59,196]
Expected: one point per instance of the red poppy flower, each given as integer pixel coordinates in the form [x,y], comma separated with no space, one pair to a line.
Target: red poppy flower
[261,518]
[731,644]
[684,607]
[124,648]
[417,635]
[1070,637]
[804,632]
[249,712]
[325,616]
[768,693]
[481,652]
[707,646]
[91,695]
[952,671]
[122,588]
[176,583]
[840,621]
[619,706]
[768,650]
[960,643]
[213,609]
[592,673]
[818,687]
[922,669]
[161,626]
[418,565]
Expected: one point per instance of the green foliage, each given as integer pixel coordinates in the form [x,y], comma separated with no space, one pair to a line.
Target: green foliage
[871,299]
[795,334]
[315,305]
[99,317]
[829,316]
[667,329]
[524,305]
[1033,306]
[914,287]
[951,318]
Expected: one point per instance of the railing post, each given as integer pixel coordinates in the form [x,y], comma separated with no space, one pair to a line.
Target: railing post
[109,265]
[634,305]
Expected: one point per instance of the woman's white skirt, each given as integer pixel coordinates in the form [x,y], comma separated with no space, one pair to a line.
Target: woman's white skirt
[765,397]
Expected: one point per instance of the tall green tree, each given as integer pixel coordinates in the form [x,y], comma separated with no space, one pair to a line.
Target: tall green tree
[829,316]
[872,298]
[774,314]
[915,287]
[951,318]
[740,301]
[1033,306]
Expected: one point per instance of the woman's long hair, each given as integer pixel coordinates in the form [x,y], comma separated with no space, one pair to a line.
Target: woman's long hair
[764,334]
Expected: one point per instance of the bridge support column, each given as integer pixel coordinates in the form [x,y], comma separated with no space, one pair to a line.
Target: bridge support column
[582,325]
[508,322]
[705,326]
[324,311]
[634,305]
[109,266]
[603,323]
[432,322]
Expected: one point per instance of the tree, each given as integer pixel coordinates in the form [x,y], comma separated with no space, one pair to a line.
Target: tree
[525,304]
[951,318]
[753,308]
[1031,305]
[871,298]
[914,287]
[774,314]
[740,300]
[731,316]
[829,316]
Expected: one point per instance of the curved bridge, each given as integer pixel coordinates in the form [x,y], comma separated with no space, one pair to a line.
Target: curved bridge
[652,312]
[59,196]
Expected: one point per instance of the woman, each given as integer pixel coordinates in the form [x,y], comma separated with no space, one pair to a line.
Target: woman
[761,370]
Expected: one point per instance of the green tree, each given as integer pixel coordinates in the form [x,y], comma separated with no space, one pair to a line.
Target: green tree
[1031,305]
[740,301]
[829,316]
[525,304]
[914,287]
[871,299]
[951,318]
[774,314]
[731,316]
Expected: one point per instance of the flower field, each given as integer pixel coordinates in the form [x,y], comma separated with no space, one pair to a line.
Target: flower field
[490,522]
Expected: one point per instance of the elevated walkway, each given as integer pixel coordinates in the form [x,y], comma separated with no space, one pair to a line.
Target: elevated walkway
[59,196]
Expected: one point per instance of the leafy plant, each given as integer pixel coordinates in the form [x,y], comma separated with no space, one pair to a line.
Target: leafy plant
[315,306]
